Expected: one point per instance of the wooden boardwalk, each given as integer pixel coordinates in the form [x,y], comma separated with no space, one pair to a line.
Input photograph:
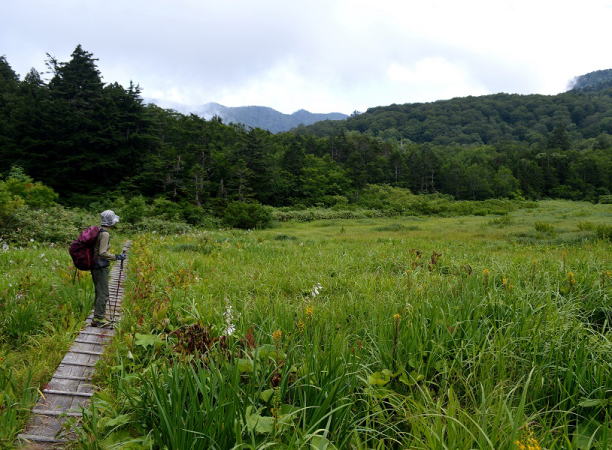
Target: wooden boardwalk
[70,387]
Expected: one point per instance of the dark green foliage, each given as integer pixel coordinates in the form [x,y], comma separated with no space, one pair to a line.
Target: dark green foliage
[90,142]
[489,119]
[605,199]
[247,215]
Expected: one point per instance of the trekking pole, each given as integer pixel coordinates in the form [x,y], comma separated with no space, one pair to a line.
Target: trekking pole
[114,305]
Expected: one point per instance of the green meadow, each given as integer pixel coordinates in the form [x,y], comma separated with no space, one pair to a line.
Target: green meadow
[470,332]
[43,303]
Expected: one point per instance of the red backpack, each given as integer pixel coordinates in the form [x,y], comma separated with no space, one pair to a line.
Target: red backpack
[82,248]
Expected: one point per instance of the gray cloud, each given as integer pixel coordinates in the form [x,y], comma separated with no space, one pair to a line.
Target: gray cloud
[321,55]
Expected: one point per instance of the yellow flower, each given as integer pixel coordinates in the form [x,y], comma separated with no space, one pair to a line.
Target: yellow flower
[505,282]
[528,444]
[570,278]
[277,335]
[301,325]
[309,312]
[396,316]
[485,272]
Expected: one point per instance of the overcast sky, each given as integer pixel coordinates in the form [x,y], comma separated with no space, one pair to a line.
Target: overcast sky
[320,55]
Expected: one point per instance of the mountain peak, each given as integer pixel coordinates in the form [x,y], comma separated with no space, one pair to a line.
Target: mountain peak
[255,116]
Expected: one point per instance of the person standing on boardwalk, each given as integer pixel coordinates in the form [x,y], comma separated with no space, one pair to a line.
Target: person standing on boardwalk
[100,270]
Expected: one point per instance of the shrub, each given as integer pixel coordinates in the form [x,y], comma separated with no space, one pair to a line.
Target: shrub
[605,199]
[247,215]
[9,204]
[34,194]
[310,214]
[135,210]
[159,226]
[19,190]
[166,209]
[386,198]
[54,224]
[334,201]
[196,215]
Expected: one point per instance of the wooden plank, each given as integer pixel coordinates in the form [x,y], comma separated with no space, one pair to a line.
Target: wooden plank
[79,341]
[77,364]
[86,352]
[103,334]
[68,393]
[37,438]
[60,377]
[57,412]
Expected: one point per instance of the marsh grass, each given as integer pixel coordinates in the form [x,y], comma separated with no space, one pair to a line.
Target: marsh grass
[458,336]
[42,304]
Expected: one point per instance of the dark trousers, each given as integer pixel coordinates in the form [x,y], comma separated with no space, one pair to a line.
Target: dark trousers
[100,281]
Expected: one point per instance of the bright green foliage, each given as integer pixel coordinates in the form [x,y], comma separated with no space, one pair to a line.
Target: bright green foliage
[19,190]
[386,198]
[134,210]
[28,212]
[247,215]
[43,302]
[369,333]
[56,225]
[34,194]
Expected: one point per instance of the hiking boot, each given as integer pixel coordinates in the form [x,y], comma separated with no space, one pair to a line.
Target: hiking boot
[101,323]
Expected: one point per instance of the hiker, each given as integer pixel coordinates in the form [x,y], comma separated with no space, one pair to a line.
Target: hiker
[100,269]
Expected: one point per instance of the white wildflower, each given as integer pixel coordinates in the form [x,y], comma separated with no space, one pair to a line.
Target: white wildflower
[5,247]
[228,315]
[31,239]
[316,290]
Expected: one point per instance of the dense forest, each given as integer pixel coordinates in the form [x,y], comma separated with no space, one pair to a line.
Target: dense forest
[88,139]
[559,121]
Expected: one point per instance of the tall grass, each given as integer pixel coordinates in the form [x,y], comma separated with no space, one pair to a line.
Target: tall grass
[366,334]
[42,303]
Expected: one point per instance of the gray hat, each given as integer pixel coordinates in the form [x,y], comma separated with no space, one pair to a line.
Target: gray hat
[108,218]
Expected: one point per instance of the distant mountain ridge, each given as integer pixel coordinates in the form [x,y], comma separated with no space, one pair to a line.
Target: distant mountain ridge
[254,116]
[583,112]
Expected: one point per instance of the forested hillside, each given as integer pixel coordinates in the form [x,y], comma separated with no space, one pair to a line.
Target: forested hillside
[562,120]
[87,139]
